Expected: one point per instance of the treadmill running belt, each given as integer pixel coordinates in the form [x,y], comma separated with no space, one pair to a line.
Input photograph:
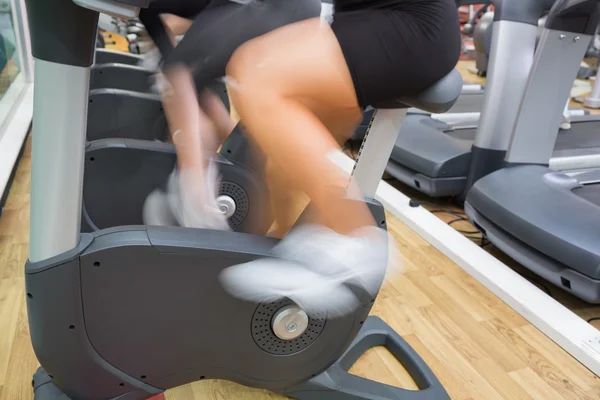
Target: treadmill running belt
[590,193]
[468,103]
[467,134]
[582,135]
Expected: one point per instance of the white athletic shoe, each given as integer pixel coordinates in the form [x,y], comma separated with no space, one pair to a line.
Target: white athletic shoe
[151,59]
[186,203]
[312,268]
[270,279]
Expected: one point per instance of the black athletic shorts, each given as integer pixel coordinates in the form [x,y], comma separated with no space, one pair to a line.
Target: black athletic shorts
[225,25]
[400,50]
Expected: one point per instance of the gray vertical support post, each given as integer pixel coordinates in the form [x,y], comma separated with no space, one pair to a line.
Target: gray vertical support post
[63,37]
[376,149]
[59,123]
[511,58]
[557,60]
[62,43]
[514,35]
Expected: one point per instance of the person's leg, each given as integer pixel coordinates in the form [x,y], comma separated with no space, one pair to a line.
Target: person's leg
[275,73]
[193,188]
[214,108]
[287,201]
[204,51]
[291,73]
[218,31]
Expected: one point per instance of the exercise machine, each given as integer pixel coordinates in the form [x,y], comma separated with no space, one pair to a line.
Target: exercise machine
[546,220]
[97,325]
[144,156]
[593,100]
[466,109]
[444,159]
[434,156]
[482,42]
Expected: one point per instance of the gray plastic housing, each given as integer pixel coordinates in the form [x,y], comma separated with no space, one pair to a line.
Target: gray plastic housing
[576,16]
[124,291]
[571,238]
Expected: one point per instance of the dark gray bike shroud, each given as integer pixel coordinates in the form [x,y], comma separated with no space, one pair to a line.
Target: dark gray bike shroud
[131,311]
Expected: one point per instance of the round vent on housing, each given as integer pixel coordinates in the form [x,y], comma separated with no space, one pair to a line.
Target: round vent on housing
[270,315]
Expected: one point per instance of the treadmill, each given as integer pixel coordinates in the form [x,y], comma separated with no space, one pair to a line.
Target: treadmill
[467,107]
[546,220]
[442,159]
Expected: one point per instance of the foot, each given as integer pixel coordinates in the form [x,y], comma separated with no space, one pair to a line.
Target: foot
[313,267]
[151,59]
[189,201]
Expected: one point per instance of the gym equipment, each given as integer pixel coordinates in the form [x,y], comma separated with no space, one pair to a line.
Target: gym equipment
[128,312]
[593,100]
[467,107]
[482,40]
[546,220]
[434,157]
[443,159]
[469,26]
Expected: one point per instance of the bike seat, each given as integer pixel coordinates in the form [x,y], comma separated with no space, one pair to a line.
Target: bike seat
[437,98]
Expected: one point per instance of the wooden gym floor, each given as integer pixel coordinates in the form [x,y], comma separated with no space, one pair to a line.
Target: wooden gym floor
[478,347]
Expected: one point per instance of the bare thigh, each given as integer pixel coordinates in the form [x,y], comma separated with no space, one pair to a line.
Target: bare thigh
[302,61]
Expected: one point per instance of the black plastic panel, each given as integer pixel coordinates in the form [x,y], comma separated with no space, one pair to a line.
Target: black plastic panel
[120,174]
[577,16]
[122,114]
[62,32]
[121,76]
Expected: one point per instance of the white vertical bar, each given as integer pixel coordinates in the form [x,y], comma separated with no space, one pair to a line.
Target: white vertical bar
[59,126]
[376,149]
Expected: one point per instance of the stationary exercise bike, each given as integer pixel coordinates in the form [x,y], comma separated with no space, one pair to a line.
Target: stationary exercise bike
[128,312]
